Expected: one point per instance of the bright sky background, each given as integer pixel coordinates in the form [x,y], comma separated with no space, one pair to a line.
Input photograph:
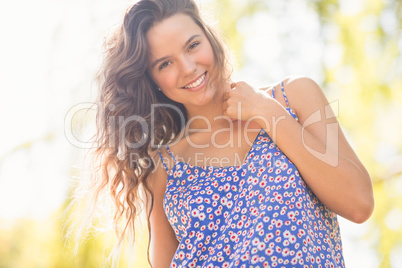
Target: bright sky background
[49,54]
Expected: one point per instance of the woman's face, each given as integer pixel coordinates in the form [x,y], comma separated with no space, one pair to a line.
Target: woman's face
[181,60]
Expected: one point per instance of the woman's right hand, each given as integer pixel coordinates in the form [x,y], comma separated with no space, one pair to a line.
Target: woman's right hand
[243,102]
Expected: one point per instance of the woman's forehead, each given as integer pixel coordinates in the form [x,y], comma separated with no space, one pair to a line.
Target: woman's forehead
[177,28]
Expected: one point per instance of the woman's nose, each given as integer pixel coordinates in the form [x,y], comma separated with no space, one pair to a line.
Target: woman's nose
[188,65]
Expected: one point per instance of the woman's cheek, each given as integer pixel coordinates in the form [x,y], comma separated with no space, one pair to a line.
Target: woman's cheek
[167,80]
[208,56]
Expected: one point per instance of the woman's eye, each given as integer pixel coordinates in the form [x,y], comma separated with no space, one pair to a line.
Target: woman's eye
[193,45]
[164,65]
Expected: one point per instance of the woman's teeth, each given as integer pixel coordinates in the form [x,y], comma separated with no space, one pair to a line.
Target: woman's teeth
[196,83]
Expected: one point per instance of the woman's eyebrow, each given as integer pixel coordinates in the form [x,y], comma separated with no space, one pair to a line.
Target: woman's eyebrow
[184,46]
[157,61]
[190,39]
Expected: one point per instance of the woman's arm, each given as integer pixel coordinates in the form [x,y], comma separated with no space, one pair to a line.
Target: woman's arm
[163,242]
[316,145]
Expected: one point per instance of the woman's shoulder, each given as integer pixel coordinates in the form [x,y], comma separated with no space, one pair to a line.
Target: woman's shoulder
[298,84]
[293,85]
[293,91]
[303,92]
[158,175]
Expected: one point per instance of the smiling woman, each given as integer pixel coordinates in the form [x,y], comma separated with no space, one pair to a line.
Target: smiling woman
[182,61]
[168,118]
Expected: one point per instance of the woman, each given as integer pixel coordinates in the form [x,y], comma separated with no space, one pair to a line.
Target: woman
[231,176]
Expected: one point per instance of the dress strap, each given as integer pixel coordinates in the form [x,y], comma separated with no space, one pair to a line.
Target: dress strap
[171,154]
[163,162]
[283,92]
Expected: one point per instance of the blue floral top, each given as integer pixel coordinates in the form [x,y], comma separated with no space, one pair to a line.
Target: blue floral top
[259,214]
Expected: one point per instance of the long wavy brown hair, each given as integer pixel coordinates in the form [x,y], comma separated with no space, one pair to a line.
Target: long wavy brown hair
[133,116]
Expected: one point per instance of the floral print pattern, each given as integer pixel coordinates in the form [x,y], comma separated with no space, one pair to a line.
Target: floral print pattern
[259,214]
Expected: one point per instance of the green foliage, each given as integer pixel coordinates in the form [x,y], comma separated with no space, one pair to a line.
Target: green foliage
[372,100]
[389,205]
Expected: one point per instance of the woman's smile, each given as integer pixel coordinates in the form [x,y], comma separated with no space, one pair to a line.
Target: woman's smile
[197,84]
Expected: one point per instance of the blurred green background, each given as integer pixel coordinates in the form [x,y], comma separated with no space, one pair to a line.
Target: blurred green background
[50,51]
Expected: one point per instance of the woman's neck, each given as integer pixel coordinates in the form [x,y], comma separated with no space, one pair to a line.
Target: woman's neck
[208,116]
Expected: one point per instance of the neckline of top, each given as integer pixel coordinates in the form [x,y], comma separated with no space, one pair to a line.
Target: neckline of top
[217,167]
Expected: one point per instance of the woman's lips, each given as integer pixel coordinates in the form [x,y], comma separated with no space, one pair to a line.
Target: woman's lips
[196,83]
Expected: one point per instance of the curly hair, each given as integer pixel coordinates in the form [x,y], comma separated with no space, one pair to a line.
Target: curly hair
[127,123]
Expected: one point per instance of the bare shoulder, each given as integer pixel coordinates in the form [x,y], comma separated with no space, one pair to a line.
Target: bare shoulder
[304,94]
[300,86]
[158,176]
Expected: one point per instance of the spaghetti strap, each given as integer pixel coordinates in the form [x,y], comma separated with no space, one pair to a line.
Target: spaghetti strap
[283,92]
[163,162]
[171,154]
[284,95]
